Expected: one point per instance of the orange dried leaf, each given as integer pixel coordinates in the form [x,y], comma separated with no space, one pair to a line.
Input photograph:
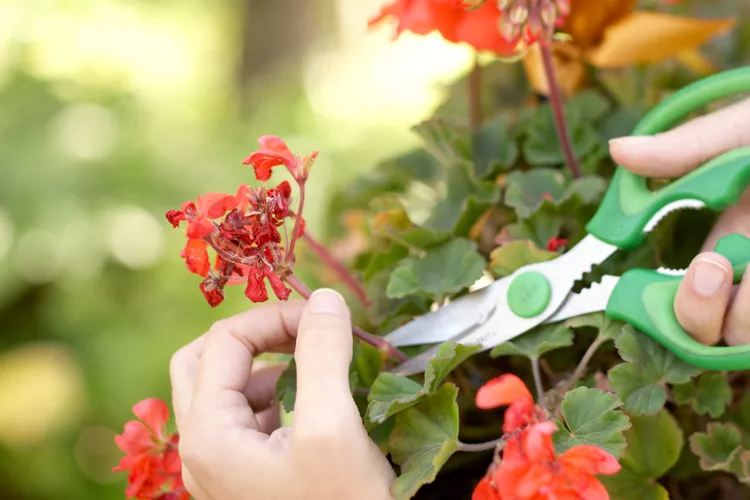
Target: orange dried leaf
[648,37]
[589,19]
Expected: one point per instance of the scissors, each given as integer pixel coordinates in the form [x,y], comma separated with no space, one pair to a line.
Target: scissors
[542,293]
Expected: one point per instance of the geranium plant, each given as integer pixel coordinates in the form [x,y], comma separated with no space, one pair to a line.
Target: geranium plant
[509,172]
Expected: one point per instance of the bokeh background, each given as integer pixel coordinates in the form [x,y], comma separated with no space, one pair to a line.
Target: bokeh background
[113,112]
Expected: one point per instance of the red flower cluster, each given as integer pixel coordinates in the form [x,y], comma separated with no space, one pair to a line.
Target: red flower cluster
[151,457]
[484,26]
[530,469]
[554,244]
[243,229]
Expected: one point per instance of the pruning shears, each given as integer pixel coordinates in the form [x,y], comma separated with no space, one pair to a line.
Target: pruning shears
[542,293]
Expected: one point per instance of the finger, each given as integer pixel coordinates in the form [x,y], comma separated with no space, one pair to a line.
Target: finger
[735,219]
[682,149]
[703,297]
[182,369]
[226,363]
[269,419]
[737,324]
[324,352]
[261,391]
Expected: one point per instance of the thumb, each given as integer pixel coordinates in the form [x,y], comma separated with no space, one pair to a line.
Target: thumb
[684,148]
[323,355]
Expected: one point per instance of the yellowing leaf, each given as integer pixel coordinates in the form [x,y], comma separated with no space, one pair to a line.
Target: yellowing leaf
[589,19]
[569,68]
[648,37]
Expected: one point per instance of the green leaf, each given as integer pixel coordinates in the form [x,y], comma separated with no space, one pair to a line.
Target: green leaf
[424,438]
[591,417]
[505,260]
[542,146]
[445,141]
[494,146]
[641,394]
[625,485]
[720,448]
[527,190]
[391,394]
[588,189]
[286,387]
[543,224]
[384,260]
[654,444]
[640,382]
[381,434]
[395,225]
[710,395]
[589,105]
[536,342]
[443,270]
[606,327]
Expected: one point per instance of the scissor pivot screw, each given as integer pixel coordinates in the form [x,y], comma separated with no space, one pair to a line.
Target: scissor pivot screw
[529,294]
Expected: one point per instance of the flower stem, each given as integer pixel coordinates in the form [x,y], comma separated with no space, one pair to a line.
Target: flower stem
[477,447]
[474,94]
[349,280]
[556,101]
[580,370]
[538,382]
[297,223]
[378,342]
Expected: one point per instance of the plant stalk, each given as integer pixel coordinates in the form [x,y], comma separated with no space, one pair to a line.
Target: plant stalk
[580,370]
[556,101]
[538,382]
[474,94]
[297,223]
[343,273]
[378,342]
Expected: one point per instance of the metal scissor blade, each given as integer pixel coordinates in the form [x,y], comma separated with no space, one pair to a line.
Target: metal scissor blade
[592,299]
[451,320]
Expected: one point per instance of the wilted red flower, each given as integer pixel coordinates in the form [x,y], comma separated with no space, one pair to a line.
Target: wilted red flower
[151,456]
[509,390]
[243,229]
[531,469]
[485,490]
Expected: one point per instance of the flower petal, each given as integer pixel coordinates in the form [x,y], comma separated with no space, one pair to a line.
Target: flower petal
[196,257]
[154,413]
[135,439]
[485,490]
[590,459]
[277,285]
[200,227]
[256,286]
[503,390]
[215,205]
[537,442]
[175,217]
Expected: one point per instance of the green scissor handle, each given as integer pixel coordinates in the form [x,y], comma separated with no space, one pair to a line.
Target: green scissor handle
[645,299]
[629,204]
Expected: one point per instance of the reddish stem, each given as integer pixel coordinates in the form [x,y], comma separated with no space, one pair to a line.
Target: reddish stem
[556,101]
[343,273]
[297,222]
[294,282]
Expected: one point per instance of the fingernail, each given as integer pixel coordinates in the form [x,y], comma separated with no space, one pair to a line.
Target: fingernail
[709,277]
[632,140]
[327,301]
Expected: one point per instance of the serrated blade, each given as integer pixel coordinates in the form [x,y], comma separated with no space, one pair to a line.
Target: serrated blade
[592,299]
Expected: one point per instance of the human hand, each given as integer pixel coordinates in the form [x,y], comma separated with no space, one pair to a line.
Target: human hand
[223,406]
[707,305]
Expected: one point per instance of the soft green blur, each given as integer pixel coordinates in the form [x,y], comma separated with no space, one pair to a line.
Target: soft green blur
[113,112]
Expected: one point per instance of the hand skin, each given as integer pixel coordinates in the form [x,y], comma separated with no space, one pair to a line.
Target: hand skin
[230,443]
[707,305]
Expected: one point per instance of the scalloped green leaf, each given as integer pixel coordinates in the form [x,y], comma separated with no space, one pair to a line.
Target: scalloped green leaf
[424,438]
[710,395]
[443,270]
[625,485]
[640,382]
[505,260]
[535,343]
[654,444]
[494,146]
[391,394]
[527,191]
[720,448]
[286,387]
[591,416]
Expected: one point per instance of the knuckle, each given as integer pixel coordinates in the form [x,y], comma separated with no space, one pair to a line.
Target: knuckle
[177,360]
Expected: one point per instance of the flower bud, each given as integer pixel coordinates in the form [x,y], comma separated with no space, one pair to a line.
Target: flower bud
[519,14]
[548,13]
[504,4]
[510,32]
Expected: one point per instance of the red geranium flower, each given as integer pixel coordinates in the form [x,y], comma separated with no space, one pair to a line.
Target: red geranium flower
[151,456]
[509,390]
[531,469]
[554,244]
[274,152]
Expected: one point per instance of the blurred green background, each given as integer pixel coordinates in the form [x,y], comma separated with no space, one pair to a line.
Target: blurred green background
[113,112]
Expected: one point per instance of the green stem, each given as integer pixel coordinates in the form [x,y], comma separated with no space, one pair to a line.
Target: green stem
[580,370]
[378,342]
[558,110]
[478,447]
[538,382]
